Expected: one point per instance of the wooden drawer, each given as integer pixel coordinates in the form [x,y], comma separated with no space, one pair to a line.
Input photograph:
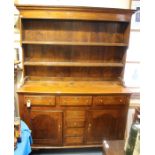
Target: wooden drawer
[72,123]
[73,140]
[40,100]
[75,114]
[75,100]
[69,132]
[109,99]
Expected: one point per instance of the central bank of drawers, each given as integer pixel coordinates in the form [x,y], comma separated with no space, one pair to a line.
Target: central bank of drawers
[74,120]
[74,125]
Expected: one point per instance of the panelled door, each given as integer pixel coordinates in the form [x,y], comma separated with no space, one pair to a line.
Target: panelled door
[105,124]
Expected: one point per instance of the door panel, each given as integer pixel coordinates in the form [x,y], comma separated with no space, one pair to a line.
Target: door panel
[46,127]
[105,124]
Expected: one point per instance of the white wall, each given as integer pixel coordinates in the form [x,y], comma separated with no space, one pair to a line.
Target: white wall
[99,3]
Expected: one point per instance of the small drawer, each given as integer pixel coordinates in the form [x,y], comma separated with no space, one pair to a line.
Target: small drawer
[75,100]
[74,114]
[73,140]
[40,100]
[72,123]
[109,99]
[69,132]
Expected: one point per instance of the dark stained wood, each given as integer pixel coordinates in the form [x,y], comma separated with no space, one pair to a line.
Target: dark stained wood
[74,72]
[71,123]
[108,100]
[105,124]
[77,31]
[74,119]
[46,127]
[65,147]
[75,100]
[74,132]
[40,100]
[73,63]
[73,87]
[75,13]
[74,43]
[74,126]
[73,140]
[89,54]
[21,106]
[75,114]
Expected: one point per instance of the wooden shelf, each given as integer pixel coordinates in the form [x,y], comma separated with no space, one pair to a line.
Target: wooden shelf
[74,43]
[73,64]
[35,79]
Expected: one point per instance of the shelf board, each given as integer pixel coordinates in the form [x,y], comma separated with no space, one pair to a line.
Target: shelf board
[74,43]
[76,79]
[73,64]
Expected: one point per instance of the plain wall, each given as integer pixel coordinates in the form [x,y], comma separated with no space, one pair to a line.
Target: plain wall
[99,3]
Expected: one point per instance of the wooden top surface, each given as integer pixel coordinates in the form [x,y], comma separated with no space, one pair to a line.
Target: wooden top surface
[73,87]
[78,8]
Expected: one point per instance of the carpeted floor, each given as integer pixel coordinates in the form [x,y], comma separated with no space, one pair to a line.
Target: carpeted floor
[90,151]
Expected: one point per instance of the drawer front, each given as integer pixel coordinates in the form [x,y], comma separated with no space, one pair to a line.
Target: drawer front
[75,100]
[75,114]
[73,140]
[40,100]
[109,99]
[73,132]
[72,123]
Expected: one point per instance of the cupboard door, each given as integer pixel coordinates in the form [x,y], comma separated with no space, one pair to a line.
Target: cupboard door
[105,124]
[46,127]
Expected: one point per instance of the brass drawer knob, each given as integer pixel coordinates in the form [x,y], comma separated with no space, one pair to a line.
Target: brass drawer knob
[59,127]
[101,100]
[121,100]
[76,98]
[89,125]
